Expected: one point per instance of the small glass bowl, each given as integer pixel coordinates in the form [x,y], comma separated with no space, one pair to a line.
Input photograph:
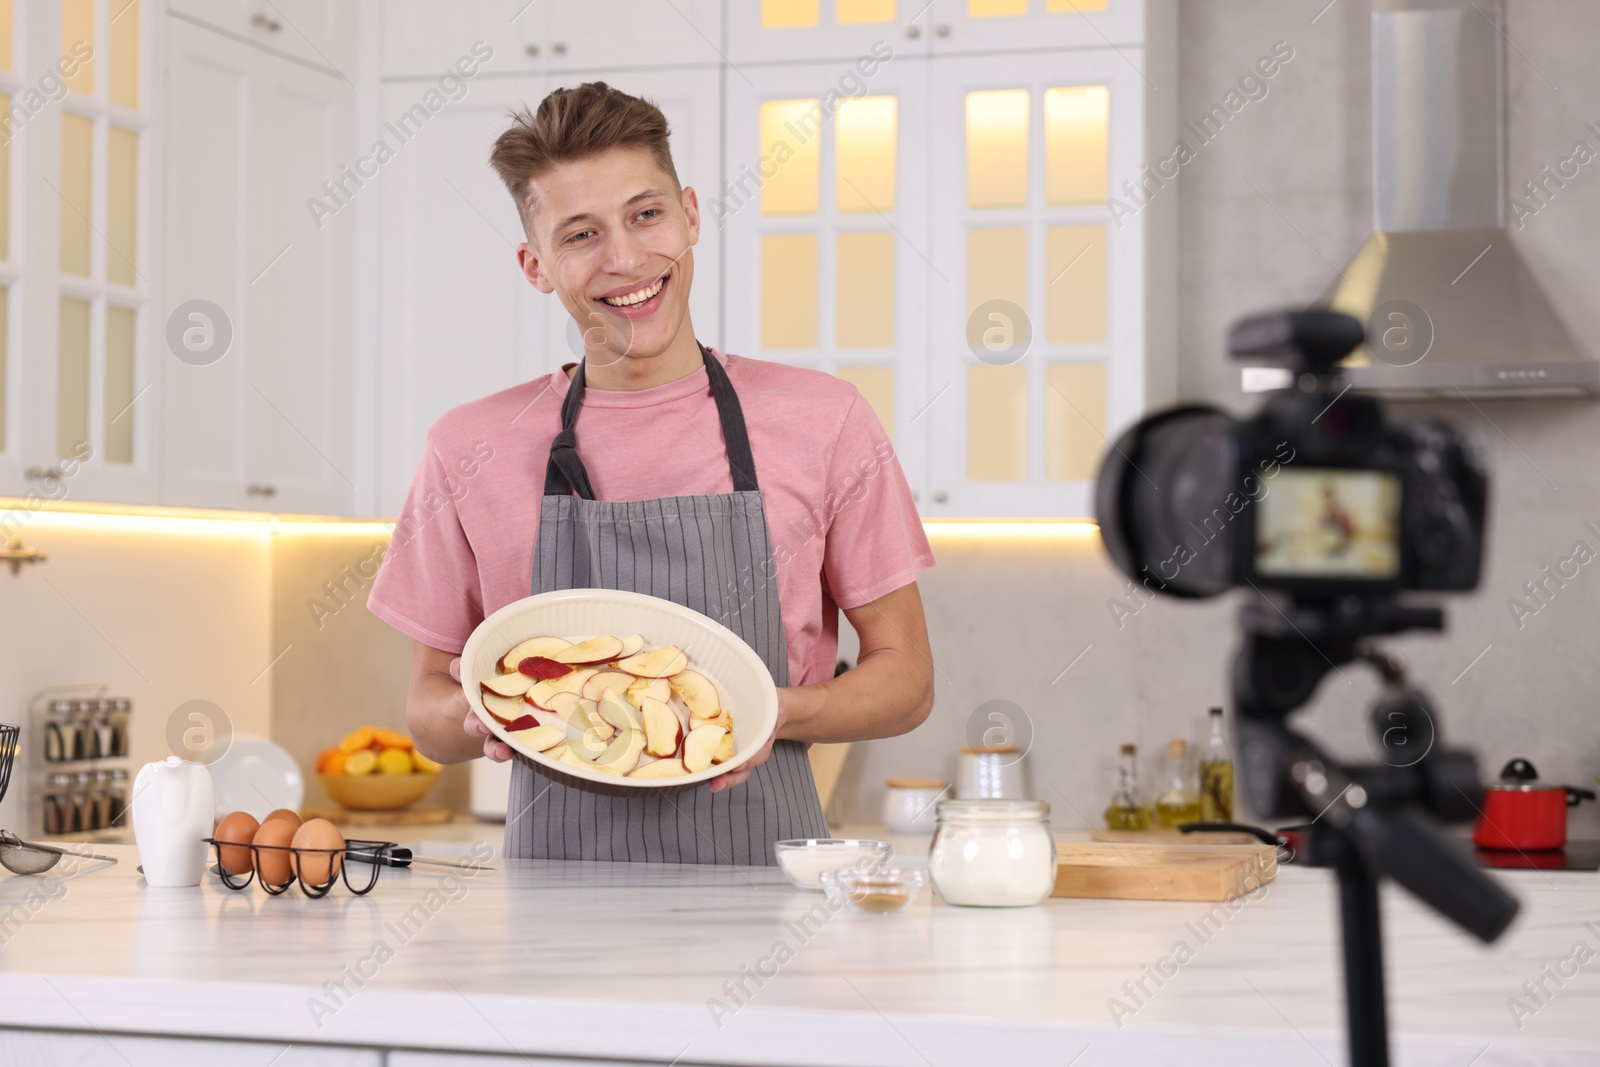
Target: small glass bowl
[885,890]
[803,860]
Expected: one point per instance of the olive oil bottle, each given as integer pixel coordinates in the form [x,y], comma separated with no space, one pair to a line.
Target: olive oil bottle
[1125,812]
[1216,775]
[1179,804]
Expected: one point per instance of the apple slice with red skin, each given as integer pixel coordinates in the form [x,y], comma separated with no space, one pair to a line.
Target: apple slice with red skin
[630,645]
[700,745]
[618,712]
[540,738]
[721,718]
[504,710]
[574,682]
[542,669]
[622,755]
[514,684]
[697,694]
[596,686]
[724,751]
[570,756]
[654,688]
[662,730]
[655,663]
[533,646]
[521,723]
[555,753]
[592,719]
[661,768]
[568,709]
[595,650]
[589,746]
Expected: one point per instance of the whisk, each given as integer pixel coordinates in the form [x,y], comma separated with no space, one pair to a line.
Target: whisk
[16,855]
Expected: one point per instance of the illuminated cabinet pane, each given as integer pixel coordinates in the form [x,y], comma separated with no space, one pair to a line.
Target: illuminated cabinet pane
[77,37]
[864,153]
[1075,124]
[77,135]
[997,423]
[791,152]
[877,389]
[119,385]
[789,290]
[865,297]
[988,9]
[5,36]
[123,74]
[5,185]
[997,266]
[122,205]
[72,376]
[857,12]
[1075,5]
[1074,420]
[778,14]
[997,148]
[1075,297]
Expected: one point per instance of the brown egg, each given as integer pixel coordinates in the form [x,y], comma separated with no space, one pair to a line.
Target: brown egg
[286,814]
[272,864]
[238,828]
[318,868]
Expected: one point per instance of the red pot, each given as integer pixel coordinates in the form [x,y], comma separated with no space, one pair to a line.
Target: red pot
[1520,812]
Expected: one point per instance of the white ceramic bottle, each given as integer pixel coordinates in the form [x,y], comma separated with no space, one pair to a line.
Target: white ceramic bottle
[172,812]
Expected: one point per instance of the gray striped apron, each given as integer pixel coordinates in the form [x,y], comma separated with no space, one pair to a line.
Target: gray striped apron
[698,551]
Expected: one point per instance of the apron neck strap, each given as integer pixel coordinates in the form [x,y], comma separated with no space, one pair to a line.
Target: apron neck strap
[565,473]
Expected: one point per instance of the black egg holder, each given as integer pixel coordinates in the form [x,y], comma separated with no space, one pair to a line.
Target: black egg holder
[375,855]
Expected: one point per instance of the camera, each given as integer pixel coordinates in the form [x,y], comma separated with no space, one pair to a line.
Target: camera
[1318,495]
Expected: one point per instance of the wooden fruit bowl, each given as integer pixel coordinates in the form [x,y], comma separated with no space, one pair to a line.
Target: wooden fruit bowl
[378,792]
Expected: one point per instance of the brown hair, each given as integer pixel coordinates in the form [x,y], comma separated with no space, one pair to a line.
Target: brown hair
[573,124]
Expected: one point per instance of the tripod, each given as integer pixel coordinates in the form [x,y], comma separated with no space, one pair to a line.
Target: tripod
[1370,820]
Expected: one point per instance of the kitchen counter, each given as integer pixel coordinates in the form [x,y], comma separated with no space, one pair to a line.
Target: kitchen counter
[631,963]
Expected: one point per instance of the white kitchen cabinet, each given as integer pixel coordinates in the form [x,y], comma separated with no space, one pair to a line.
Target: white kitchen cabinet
[613,35]
[762,31]
[252,229]
[826,214]
[425,38]
[457,319]
[403,1058]
[1026,25]
[45,1048]
[316,32]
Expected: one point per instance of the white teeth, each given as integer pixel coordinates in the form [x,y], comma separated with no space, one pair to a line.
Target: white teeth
[635,298]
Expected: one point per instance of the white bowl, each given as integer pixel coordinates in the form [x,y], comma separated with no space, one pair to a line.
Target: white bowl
[742,680]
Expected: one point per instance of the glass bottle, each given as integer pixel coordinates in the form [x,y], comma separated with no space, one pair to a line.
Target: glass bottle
[1179,804]
[1216,775]
[1125,812]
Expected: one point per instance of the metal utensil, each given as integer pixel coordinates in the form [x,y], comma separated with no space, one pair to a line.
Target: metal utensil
[402,857]
[24,857]
[8,753]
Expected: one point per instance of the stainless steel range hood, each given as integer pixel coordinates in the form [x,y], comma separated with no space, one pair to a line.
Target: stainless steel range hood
[1450,306]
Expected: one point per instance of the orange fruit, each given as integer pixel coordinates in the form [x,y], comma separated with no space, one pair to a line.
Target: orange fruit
[336,762]
[358,739]
[362,762]
[392,739]
[325,757]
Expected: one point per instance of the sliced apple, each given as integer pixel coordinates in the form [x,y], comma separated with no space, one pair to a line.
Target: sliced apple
[557,752]
[514,684]
[662,730]
[661,768]
[630,645]
[596,686]
[504,710]
[540,738]
[588,745]
[543,668]
[539,694]
[574,682]
[654,688]
[618,712]
[622,755]
[594,650]
[721,718]
[521,722]
[655,663]
[697,694]
[724,751]
[700,745]
[534,646]
[592,719]
[568,756]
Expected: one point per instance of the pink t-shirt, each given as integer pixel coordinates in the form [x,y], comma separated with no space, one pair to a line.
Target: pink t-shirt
[844,528]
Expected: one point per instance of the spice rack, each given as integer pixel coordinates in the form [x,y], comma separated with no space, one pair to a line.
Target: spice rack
[78,748]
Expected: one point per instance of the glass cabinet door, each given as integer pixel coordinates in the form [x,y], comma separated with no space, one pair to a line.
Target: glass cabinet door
[765,30]
[825,208]
[959,26]
[1037,337]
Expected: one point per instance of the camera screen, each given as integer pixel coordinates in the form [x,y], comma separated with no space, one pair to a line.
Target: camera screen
[1330,523]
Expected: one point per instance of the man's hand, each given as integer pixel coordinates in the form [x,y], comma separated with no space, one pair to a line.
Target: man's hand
[493,747]
[740,773]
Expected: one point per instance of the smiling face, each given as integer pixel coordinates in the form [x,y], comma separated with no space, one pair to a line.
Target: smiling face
[614,241]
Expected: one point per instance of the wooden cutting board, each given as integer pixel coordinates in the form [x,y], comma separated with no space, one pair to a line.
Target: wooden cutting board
[1152,871]
[416,815]
[1167,835]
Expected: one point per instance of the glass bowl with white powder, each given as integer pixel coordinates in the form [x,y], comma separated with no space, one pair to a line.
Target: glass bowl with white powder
[993,853]
[804,860]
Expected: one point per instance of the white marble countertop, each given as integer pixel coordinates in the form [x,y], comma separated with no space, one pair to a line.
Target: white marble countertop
[622,962]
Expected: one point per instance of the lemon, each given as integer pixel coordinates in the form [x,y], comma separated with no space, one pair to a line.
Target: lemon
[424,764]
[394,761]
[359,763]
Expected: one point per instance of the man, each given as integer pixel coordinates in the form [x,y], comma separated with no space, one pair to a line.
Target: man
[766,496]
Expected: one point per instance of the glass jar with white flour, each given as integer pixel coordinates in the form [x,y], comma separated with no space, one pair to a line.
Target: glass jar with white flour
[993,853]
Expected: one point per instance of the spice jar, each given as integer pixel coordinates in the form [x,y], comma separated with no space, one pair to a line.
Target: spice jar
[993,853]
